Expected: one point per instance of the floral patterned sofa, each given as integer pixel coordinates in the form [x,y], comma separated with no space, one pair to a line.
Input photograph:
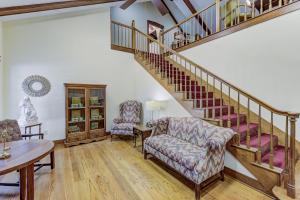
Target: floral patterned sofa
[191,146]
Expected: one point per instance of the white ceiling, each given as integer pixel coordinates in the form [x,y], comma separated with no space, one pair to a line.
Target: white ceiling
[8,3]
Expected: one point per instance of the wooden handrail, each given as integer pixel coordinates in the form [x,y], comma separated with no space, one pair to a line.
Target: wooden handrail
[258,101]
[187,19]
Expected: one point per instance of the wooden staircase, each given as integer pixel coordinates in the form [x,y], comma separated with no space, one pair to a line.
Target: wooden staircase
[267,151]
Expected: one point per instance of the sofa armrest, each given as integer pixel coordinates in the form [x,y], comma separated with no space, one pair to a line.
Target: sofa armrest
[217,137]
[117,120]
[160,126]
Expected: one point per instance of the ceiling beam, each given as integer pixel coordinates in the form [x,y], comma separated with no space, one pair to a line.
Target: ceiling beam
[15,10]
[160,6]
[171,15]
[193,11]
[127,4]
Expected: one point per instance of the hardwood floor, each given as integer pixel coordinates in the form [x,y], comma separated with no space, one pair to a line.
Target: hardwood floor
[116,171]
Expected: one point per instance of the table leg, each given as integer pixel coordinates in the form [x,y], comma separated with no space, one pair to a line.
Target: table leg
[142,142]
[23,184]
[52,160]
[30,182]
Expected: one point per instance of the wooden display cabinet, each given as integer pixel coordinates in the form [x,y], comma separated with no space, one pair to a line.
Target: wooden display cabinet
[85,113]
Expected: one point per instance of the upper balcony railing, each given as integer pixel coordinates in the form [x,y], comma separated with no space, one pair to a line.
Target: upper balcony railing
[218,17]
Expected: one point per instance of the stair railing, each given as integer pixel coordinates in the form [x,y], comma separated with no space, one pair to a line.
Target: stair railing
[171,65]
[219,16]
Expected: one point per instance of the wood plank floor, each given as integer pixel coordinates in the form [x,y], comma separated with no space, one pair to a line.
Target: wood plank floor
[116,171]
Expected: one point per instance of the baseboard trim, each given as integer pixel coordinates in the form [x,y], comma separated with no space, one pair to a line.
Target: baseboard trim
[57,142]
[247,180]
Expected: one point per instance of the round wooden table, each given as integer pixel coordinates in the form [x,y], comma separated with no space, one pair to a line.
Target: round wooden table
[24,154]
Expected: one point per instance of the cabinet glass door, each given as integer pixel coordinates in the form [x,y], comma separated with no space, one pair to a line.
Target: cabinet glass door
[76,110]
[97,108]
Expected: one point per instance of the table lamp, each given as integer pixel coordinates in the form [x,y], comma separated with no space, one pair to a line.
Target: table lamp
[155,105]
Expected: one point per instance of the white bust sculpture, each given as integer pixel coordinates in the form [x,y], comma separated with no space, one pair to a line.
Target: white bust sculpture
[28,112]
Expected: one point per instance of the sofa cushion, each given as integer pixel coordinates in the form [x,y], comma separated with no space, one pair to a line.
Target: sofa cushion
[188,129]
[183,152]
[123,126]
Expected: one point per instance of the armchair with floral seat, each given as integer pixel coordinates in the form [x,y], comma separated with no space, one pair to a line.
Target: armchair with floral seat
[130,115]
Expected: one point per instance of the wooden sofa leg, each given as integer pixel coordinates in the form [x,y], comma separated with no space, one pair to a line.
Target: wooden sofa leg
[222,175]
[145,154]
[197,191]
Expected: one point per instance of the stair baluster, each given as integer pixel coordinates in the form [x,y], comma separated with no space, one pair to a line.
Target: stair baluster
[259,136]
[206,111]
[238,119]
[271,164]
[292,159]
[214,99]
[248,120]
[286,152]
[229,110]
[221,108]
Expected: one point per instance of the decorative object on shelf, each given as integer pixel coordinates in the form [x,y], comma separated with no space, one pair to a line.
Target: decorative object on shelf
[28,113]
[94,101]
[155,105]
[36,86]
[3,136]
[85,113]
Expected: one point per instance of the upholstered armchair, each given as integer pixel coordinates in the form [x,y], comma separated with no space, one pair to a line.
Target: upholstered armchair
[130,115]
[14,134]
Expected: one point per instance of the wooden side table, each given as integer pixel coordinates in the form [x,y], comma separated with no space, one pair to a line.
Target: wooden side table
[143,131]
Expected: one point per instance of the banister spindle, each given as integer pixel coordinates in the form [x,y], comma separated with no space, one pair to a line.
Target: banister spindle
[214,99]
[253,8]
[259,135]
[238,119]
[221,108]
[271,157]
[286,152]
[218,15]
[261,6]
[133,39]
[248,120]
[245,13]
[207,102]
[238,11]
[270,5]
[229,112]
[292,159]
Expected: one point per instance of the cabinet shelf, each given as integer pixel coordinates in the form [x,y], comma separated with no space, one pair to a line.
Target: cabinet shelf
[93,101]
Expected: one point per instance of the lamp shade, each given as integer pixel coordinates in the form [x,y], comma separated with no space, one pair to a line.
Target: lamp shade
[155,105]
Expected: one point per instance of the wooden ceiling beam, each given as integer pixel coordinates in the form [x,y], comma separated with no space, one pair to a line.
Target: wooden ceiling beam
[127,4]
[171,15]
[160,6]
[15,10]
[193,11]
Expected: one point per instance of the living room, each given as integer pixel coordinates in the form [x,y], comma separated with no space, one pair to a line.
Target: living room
[72,70]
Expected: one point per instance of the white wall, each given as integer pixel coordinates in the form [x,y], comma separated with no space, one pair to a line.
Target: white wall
[1,74]
[66,50]
[140,12]
[262,60]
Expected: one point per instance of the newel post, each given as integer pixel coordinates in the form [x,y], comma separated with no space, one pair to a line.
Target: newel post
[291,192]
[133,35]
[218,8]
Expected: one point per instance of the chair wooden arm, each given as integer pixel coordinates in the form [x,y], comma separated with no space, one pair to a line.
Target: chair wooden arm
[41,135]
